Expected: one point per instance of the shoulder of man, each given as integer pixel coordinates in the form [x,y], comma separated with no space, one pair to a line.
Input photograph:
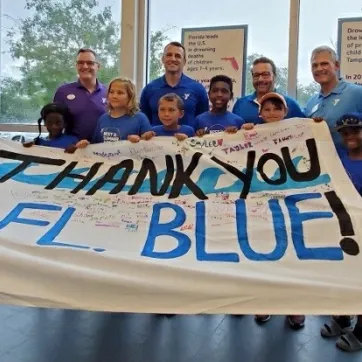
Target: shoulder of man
[154,84]
[67,86]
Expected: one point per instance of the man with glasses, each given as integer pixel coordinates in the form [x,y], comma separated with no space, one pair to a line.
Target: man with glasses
[263,73]
[174,80]
[85,98]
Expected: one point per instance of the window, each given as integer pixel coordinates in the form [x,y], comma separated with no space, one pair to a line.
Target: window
[319,30]
[268,29]
[39,41]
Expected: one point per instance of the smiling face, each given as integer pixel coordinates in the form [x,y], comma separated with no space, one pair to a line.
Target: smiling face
[263,78]
[87,66]
[220,95]
[324,68]
[173,59]
[118,97]
[352,137]
[54,123]
[273,110]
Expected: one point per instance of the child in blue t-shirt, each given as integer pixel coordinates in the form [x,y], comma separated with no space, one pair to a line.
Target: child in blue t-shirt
[57,119]
[218,119]
[123,121]
[170,111]
[350,128]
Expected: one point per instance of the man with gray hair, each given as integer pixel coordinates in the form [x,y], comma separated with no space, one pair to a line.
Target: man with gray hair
[336,97]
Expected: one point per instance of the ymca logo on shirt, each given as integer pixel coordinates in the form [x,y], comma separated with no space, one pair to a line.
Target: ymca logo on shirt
[336,101]
[216,128]
[104,101]
[110,134]
[186,95]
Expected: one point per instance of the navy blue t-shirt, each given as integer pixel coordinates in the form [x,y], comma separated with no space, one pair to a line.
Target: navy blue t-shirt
[352,167]
[161,131]
[63,141]
[192,93]
[215,122]
[111,129]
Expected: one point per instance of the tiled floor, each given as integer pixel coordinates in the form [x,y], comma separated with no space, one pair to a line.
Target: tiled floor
[40,335]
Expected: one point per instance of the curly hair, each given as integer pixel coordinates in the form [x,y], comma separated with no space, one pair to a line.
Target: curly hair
[132,106]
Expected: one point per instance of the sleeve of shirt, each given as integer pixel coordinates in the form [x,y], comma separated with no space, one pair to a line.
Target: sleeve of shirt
[58,97]
[239,122]
[197,123]
[203,103]
[190,132]
[294,110]
[145,125]
[144,104]
[97,136]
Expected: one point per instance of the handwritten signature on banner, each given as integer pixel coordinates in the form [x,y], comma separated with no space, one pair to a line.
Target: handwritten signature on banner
[223,182]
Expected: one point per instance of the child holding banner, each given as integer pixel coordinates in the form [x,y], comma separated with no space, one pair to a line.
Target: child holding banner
[350,128]
[170,111]
[56,118]
[123,121]
[273,108]
[218,119]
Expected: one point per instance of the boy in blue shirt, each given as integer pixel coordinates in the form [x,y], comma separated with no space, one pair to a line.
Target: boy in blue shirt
[57,119]
[219,119]
[349,127]
[170,111]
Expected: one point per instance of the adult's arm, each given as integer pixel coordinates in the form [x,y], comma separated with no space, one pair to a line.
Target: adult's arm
[58,96]
[145,104]
[203,101]
[295,111]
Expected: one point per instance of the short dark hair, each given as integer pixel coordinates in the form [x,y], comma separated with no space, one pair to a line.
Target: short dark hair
[56,108]
[276,102]
[264,60]
[171,97]
[222,78]
[87,50]
[176,44]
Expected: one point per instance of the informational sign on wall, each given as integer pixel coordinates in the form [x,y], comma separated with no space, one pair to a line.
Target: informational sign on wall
[350,49]
[216,50]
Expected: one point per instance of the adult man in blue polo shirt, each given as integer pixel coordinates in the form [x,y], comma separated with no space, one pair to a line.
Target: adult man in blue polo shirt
[85,98]
[192,93]
[336,97]
[263,74]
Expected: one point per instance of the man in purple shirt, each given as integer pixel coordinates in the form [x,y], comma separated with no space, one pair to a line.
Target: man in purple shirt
[85,98]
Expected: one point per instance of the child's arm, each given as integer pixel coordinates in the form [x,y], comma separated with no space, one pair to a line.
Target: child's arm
[247,126]
[70,149]
[28,144]
[200,132]
[318,119]
[231,129]
[134,138]
[82,144]
[181,136]
[146,132]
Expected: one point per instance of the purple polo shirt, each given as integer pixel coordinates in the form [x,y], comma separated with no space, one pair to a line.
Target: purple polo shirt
[85,107]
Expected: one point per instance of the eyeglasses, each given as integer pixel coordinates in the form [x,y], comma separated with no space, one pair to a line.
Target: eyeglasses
[263,75]
[90,63]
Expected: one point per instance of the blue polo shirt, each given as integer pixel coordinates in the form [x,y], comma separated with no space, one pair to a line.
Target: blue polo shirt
[192,93]
[161,131]
[344,98]
[352,167]
[85,107]
[63,141]
[217,122]
[248,108]
[111,129]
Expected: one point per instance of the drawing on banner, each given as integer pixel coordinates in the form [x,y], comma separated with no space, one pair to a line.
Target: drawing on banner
[350,49]
[210,52]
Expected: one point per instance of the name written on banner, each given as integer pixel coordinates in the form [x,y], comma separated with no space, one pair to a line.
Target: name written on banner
[175,178]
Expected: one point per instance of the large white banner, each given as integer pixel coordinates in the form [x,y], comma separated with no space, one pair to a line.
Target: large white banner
[263,221]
